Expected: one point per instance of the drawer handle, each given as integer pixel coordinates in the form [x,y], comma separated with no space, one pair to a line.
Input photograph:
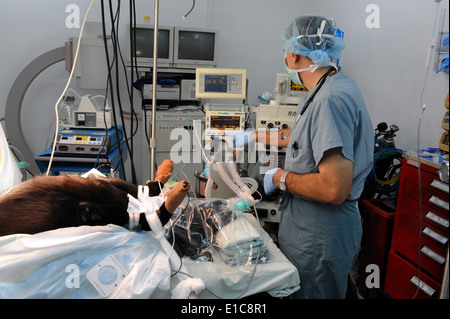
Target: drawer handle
[437,219]
[432,234]
[439,202]
[433,255]
[423,286]
[439,186]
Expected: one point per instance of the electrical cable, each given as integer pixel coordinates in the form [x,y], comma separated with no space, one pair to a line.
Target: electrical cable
[257,217]
[207,160]
[114,40]
[419,241]
[256,213]
[423,107]
[106,127]
[111,86]
[206,288]
[134,115]
[65,89]
[189,12]
[117,50]
[115,17]
[172,229]
[134,69]
[129,91]
[131,98]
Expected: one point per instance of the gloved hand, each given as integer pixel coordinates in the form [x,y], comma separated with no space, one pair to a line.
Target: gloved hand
[269,187]
[240,138]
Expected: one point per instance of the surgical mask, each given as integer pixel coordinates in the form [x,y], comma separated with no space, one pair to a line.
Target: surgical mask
[293,74]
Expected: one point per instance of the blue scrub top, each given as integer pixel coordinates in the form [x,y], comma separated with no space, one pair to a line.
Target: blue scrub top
[337,117]
[323,240]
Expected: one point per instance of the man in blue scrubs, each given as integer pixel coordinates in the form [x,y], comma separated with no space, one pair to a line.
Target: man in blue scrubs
[329,154]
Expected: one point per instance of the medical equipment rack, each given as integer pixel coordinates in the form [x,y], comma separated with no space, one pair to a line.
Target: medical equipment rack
[82,163]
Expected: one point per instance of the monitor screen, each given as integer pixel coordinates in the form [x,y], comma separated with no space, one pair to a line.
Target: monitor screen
[144,43]
[196,45]
[216,83]
[225,122]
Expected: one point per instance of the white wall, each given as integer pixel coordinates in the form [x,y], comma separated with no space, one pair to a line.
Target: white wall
[388,63]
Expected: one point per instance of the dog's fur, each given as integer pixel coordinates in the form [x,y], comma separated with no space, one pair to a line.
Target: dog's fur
[50,202]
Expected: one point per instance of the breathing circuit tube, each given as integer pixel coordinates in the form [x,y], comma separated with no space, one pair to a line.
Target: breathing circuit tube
[239,185]
[236,183]
[242,181]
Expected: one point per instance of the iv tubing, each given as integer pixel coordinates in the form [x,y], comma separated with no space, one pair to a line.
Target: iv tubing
[155,76]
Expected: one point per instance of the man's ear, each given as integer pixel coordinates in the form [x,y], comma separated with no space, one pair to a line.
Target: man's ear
[296,58]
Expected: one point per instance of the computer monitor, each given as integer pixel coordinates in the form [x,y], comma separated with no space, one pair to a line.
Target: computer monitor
[194,48]
[144,46]
[212,83]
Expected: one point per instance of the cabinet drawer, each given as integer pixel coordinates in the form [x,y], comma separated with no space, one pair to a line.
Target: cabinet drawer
[439,201]
[402,280]
[429,177]
[433,215]
[433,243]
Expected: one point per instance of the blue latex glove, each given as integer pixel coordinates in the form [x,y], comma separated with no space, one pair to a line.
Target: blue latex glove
[269,187]
[240,138]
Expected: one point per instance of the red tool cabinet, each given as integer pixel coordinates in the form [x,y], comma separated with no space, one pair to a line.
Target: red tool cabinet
[419,244]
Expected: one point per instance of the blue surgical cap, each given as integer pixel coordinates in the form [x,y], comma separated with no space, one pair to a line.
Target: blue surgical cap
[313,36]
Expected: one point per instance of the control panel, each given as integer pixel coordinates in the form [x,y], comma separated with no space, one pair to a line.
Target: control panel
[219,121]
[268,211]
[212,83]
[83,142]
[274,117]
[220,118]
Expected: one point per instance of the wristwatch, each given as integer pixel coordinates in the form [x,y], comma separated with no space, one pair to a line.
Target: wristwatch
[282,182]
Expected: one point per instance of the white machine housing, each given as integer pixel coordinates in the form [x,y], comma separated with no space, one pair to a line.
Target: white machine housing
[187,90]
[166,122]
[163,92]
[269,211]
[220,118]
[274,117]
[89,116]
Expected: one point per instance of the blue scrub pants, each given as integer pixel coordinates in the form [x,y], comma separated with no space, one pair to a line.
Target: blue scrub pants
[323,241]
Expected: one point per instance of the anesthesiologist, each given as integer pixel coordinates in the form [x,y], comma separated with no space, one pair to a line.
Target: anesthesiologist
[329,154]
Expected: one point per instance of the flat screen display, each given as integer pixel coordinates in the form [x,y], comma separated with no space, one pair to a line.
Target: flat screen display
[144,43]
[196,45]
[225,122]
[216,83]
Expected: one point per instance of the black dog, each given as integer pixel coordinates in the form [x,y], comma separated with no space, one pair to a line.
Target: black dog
[51,202]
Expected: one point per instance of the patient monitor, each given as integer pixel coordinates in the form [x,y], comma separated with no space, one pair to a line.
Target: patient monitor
[212,83]
[220,118]
[221,84]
